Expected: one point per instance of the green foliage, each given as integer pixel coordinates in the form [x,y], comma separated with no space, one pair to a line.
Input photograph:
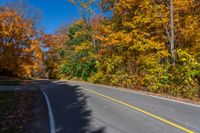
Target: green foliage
[79,60]
[75,37]
[79,69]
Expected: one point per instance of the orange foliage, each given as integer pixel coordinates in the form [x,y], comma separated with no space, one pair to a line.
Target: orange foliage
[20,52]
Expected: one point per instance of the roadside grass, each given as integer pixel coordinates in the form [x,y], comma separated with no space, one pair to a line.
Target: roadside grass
[5,80]
[7,101]
[21,111]
[10,82]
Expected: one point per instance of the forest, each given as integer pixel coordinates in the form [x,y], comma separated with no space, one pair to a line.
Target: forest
[126,43]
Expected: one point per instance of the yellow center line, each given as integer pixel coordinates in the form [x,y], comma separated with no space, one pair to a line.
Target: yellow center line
[140,110]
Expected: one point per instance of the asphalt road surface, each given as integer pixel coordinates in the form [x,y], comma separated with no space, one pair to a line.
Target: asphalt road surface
[87,108]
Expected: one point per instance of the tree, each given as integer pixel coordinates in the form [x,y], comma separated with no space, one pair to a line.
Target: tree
[172,33]
[20,50]
[135,39]
[23,9]
[51,56]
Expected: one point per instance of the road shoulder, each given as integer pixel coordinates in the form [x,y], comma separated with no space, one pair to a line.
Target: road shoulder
[26,111]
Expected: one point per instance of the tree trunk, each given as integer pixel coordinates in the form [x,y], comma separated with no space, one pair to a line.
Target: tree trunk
[172,33]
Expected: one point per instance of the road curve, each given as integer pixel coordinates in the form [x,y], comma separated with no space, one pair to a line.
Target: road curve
[87,108]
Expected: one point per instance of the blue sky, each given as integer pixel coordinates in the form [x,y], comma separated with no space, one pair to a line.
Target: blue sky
[54,12]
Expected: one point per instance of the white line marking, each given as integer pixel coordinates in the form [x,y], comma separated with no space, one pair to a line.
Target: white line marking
[51,118]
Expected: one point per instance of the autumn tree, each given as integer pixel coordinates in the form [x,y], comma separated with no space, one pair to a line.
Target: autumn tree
[52,44]
[135,46]
[23,9]
[20,52]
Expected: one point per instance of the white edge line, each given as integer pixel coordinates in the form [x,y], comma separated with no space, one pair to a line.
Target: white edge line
[51,117]
[134,92]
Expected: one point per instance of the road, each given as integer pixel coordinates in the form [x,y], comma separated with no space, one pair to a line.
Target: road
[87,108]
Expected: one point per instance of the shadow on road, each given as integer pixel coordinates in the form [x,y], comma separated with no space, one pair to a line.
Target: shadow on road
[70,109]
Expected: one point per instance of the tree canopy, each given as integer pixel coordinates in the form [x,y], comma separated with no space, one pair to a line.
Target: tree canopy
[20,51]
